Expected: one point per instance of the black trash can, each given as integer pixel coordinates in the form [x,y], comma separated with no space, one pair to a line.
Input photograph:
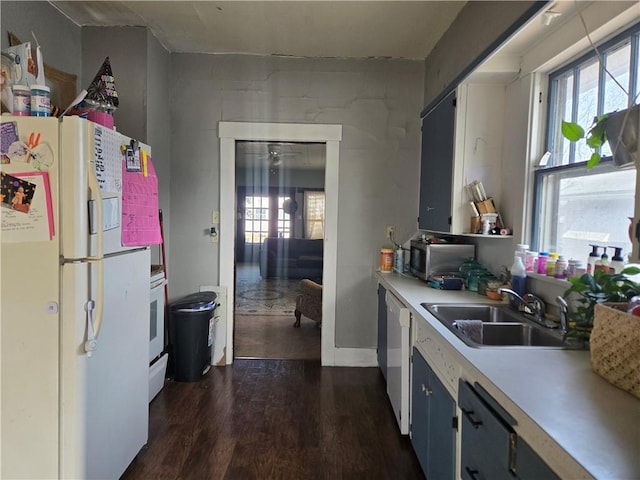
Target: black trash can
[191,335]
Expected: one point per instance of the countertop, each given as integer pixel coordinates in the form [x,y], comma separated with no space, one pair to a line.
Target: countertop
[580,424]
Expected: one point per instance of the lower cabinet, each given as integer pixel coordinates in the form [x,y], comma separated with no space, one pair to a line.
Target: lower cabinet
[488,441]
[490,447]
[382,330]
[529,466]
[433,422]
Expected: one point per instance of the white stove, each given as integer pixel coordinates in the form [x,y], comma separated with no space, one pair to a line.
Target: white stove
[157,359]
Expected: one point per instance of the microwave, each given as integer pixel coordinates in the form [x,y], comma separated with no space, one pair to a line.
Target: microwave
[430,258]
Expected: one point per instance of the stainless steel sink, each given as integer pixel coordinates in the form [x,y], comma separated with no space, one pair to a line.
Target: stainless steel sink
[500,327]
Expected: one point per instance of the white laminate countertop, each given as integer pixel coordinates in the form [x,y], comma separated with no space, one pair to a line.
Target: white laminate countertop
[578,422]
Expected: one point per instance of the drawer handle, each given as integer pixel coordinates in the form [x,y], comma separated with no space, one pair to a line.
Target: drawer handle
[426,391]
[469,415]
[472,472]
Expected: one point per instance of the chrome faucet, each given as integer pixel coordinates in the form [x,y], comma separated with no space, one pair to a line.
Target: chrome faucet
[529,304]
[564,311]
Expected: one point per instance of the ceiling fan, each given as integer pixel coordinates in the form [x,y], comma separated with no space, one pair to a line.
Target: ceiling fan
[277,152]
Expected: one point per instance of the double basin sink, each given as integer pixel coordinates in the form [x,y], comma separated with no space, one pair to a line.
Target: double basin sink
[494,326]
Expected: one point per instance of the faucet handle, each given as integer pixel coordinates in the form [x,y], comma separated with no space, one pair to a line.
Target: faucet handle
[536,304]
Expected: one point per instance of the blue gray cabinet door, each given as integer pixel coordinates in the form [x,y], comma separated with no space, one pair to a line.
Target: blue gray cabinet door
[436,166]
[529,466]
[433,422]
[382,330]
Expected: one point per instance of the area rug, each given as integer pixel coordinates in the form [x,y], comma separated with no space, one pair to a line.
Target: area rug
[273,296]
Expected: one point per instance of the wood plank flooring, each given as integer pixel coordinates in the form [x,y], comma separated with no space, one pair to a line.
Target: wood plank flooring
[274,337]
[275,419]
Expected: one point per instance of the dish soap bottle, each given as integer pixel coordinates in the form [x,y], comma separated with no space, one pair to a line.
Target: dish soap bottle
[617,261]
[593,258]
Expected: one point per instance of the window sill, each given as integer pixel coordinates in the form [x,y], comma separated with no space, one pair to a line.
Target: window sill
[559,282]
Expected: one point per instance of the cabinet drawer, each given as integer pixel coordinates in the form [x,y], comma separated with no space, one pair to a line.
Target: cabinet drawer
[488,442]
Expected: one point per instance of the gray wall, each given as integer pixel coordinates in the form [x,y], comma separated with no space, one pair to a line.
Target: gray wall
[378,103]
[141,67]
[59,38]
[126,48]
[158,107]
[477,26]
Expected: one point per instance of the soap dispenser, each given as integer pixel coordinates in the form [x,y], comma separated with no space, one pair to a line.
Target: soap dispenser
[593,258]
[603,263]
[617,261]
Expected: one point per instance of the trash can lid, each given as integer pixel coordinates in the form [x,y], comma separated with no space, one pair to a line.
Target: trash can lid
[195,302]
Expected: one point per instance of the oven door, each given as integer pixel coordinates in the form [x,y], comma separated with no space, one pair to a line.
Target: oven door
[156,320]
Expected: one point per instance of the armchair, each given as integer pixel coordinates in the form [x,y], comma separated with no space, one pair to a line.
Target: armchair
[309,302]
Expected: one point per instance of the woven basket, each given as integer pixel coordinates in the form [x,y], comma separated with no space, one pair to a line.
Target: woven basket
[615,346]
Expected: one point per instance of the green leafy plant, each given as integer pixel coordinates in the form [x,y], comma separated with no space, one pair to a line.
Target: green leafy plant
[593,289]
[596,136]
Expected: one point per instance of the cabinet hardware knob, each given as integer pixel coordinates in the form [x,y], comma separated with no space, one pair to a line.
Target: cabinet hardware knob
[426,391]
[469,414]
[472,472]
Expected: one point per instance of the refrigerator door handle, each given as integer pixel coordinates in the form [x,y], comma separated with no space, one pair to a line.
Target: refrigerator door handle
[96,259]
[91,344]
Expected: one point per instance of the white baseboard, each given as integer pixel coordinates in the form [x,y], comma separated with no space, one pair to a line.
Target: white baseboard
[353,357]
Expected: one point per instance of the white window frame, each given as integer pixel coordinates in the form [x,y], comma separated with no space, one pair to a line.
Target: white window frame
[578,167]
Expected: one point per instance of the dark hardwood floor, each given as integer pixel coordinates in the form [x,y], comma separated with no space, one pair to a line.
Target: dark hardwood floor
[276,419]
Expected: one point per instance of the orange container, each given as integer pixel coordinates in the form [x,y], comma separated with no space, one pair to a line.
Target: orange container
[386,260]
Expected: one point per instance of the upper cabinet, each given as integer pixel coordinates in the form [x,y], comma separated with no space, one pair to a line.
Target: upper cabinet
[462,141]
[436,170]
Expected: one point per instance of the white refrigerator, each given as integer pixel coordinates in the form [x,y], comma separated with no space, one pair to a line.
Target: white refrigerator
[74,323]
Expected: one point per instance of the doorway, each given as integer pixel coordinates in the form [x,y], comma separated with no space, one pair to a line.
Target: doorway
[330,135]
[279,240]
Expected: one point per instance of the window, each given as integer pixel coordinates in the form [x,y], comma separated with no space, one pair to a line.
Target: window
[256,223]
[574,206]
[284,219]
[314,214]
[265,216]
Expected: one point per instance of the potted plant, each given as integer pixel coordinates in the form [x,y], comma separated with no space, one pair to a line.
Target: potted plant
[588,290]
[619,128]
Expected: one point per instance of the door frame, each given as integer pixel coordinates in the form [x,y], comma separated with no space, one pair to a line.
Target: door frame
[330,135]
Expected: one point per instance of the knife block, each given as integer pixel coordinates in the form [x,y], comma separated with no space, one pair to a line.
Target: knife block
[486,206]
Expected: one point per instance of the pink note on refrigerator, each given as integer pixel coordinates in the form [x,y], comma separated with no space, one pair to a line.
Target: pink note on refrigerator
[140,221]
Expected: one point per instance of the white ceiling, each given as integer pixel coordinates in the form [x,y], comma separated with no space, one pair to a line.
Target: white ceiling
[348,29]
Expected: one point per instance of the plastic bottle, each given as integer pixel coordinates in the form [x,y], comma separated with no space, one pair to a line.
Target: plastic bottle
[40,101]
[530,261]
[542,262]
[521,250]
[562,266]
[603,263]
[518,276]
[572,268]
[617,261]
[551,264]
[21,101]
[593,257]
[399,260]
